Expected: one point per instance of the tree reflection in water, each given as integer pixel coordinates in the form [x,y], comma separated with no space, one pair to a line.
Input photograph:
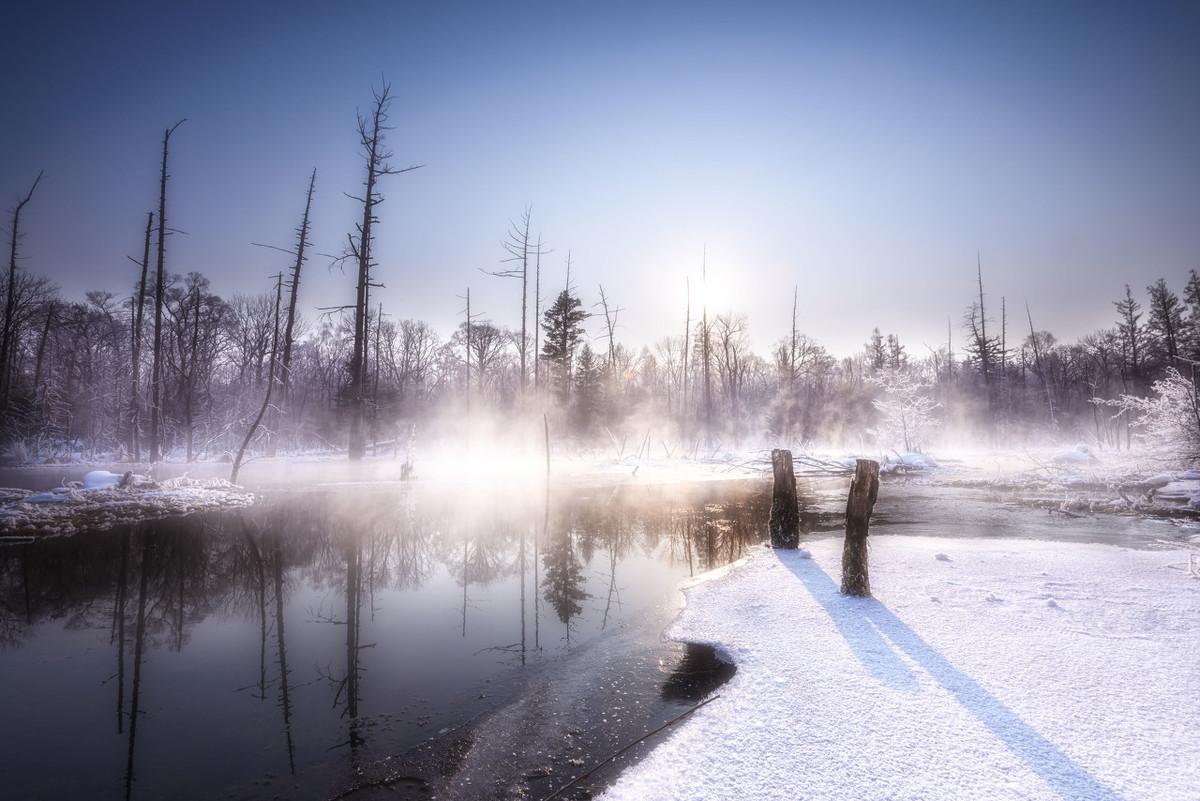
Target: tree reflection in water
[401,574]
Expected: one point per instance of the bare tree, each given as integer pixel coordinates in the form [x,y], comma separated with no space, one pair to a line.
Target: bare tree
[610,325]
[687,335]
[136,337]
[237,462]
[706,354]
[537,312]
[9,336]
[160,287]
[289,329]
[1035,343]
[520,248]
[371,130]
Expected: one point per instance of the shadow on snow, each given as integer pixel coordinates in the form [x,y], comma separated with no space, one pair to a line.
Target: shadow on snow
[874,633]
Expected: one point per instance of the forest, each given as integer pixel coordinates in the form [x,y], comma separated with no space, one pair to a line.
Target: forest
[170,367]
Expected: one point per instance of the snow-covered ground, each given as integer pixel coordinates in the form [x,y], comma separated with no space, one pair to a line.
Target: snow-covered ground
[981,670]
[102,499]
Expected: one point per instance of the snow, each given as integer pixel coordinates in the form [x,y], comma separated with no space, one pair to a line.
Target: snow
[1080,455]
[103,478]
[100,503]
[1017,670]
[909,461]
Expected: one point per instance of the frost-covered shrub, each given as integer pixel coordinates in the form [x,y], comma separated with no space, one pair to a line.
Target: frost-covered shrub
[1168,422]
[905,407]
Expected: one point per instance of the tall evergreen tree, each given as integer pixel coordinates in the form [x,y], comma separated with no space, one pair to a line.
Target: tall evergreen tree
[563,325]
[589,391]
[1166,320]
[1132,335]
[1190,339]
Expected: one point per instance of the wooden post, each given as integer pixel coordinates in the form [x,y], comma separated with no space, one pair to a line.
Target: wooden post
[864,488]
[784,522]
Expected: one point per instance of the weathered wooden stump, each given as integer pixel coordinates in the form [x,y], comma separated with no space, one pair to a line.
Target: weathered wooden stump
[784,523]
[864,488]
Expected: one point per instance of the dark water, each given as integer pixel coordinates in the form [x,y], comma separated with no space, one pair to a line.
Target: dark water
[389,639]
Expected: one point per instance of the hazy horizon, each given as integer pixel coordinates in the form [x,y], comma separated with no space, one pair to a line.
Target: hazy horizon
[865,154]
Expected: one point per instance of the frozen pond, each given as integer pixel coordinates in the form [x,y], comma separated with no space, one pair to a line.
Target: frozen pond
[392,638]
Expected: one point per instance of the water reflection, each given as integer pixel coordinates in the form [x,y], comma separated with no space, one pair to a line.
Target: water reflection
[286,648]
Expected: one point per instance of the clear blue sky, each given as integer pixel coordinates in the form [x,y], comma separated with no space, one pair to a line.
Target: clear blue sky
[864,151]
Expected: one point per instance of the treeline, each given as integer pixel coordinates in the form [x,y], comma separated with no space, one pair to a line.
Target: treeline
[171,367]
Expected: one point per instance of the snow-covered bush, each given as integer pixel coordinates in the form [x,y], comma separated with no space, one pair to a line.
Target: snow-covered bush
[905,408]
[1168,421]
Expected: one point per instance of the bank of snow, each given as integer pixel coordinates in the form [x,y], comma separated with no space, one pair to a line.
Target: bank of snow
[103,500]
[997,670]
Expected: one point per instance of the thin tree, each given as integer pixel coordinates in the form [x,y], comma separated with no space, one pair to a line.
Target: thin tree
[135,351]
[984,347]
[792,349]
[520,248]
[706,348]
[467,386]
[237,462]
[190,396]
[687,335]
[289,329]
[10,303]
[371,130]
[1037,365]
[160,288]
[1129,325]
[51,308]
[610,324]
[537,312]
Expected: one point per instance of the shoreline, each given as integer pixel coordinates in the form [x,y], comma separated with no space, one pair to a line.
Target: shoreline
[1006,669]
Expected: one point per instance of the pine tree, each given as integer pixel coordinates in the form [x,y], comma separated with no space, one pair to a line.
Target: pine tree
[589,391]
[1131,333]
[563,326]
[896,356]
[1166,320]
[876,355]
[1190,338]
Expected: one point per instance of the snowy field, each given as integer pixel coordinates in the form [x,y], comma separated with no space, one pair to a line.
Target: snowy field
[981,670]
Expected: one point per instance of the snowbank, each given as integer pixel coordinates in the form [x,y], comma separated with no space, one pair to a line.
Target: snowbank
[991,670]
[103,500]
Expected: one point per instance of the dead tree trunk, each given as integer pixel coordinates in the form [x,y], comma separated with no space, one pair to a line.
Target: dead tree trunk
[706,355]
[784,522]
[160,288]
[41,353]
[864,488]
[9,334]
[683,375]
[262,412]
[135,410]
[190,400]
[289,329]
[370,135]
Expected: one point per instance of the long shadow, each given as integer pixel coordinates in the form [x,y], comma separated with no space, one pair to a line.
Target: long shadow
[865,623]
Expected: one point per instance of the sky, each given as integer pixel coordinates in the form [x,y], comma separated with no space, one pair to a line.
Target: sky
[863,153]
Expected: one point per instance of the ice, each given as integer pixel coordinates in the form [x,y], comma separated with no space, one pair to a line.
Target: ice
[930,691]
